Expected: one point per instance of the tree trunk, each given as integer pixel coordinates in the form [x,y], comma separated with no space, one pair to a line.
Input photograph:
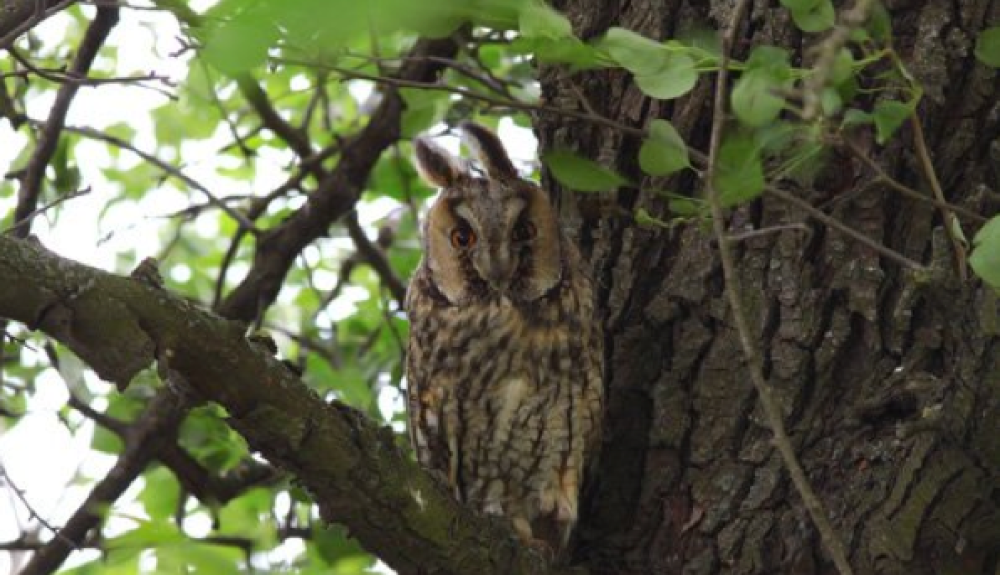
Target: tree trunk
[889,382]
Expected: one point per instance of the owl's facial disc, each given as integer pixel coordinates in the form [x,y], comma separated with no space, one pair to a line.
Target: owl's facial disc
[496,254]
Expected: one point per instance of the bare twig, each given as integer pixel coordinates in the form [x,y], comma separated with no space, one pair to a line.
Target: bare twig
[733,291]
[19,493]
[223,113]
[481,75]
[840,227]
[947,218]
[94,134]
[31,181]
[50,205]
[905,190]
[742,237]
[465,92]
[42,10]
[63,77]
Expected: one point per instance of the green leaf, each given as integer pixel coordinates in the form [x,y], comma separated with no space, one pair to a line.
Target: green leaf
[687,207]
[240,44]
[843,67]
[880,23]
[677,78]
[830,101]
[581,175]
[740,174]
[985,258]
[569,50]
[634,52]
[811,15]
[773,60]
[333,545]
[211,559]
[538,20]
[395,178]
[753,98]
[856,117]
[888,116]
[147,534]
[988,47]
[664,151]
[249,515]
[424,108]
[161,494]
[210,440]
[647,220]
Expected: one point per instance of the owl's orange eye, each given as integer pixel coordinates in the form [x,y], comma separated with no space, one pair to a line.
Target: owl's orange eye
[463,237]
[524,231]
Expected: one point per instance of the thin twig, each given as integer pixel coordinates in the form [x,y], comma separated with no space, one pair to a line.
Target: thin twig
[467,93]
[833,223]
[948,219]
[905,190]
[93,134]
[733,291]
[31,181]
[40,14]
[482,75]
[19,493]
[63,77]
[50,205]
[223,113]
[742,237]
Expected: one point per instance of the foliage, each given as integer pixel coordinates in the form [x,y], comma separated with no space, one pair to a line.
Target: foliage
[322,65]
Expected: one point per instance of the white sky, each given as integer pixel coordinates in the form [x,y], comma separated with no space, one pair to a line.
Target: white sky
[39,455]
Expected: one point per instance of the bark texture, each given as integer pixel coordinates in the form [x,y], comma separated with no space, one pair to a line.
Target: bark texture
[890,383]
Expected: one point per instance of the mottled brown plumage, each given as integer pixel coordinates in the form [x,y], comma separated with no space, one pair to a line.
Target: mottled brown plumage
[504,367]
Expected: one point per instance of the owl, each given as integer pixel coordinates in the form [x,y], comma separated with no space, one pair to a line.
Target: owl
[505,359]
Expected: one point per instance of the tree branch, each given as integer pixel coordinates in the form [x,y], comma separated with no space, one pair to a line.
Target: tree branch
[354,469]
[163,414]
[19,16]
[31,181]
[335,195]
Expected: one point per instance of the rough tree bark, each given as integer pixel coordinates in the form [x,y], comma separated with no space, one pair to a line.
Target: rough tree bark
[889,383]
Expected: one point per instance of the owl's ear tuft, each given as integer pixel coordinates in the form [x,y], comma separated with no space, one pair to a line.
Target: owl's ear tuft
[435,165]
[489,150]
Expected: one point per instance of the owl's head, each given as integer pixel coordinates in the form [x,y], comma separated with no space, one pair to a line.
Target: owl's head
[487,236]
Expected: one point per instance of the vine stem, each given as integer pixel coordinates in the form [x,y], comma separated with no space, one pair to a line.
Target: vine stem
[732,287]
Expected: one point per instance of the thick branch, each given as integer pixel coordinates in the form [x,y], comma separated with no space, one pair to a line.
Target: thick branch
[354,469]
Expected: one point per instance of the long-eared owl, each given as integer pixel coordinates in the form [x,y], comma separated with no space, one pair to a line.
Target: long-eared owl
[505,359]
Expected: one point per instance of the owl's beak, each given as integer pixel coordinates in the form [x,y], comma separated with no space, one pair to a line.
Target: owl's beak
[497,271]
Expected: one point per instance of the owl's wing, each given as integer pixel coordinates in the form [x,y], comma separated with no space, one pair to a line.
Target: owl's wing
[423,396]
